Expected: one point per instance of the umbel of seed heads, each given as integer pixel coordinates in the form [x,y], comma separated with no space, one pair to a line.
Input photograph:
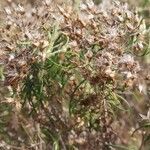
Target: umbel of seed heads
[117,33]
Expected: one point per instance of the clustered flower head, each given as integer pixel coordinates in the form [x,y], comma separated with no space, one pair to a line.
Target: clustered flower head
[110,37]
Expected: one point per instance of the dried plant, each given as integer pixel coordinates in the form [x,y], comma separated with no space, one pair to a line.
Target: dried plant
[67,69]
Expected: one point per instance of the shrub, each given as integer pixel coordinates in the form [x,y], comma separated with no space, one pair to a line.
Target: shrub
[67,69]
